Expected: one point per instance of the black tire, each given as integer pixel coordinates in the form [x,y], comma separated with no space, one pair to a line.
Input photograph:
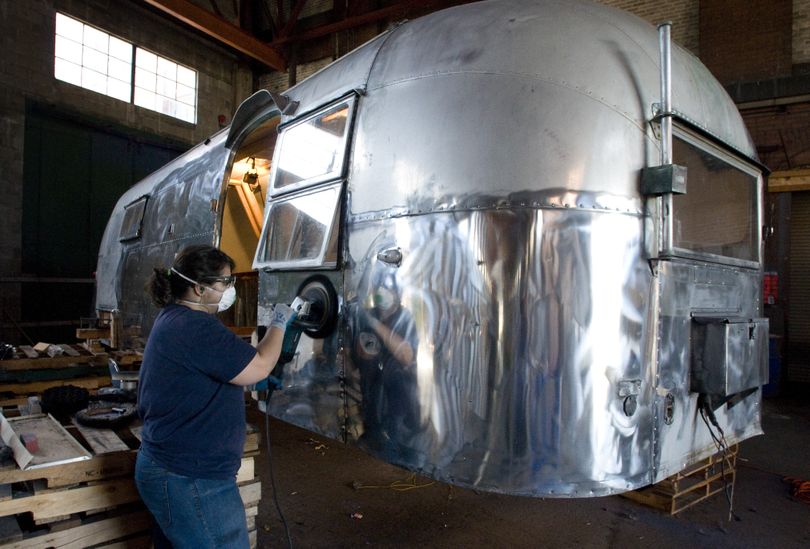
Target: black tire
[107,415]
[61,402]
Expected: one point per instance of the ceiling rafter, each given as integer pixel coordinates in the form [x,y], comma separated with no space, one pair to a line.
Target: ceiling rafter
[223,31]
[296,11]
[356,21]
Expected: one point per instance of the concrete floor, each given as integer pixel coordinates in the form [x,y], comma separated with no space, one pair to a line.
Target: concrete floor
[317,481]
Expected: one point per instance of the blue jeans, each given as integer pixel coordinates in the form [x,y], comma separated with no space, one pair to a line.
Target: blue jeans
[192,512]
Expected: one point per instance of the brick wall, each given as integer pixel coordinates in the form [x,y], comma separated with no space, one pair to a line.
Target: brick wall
[682,13]
[746,39]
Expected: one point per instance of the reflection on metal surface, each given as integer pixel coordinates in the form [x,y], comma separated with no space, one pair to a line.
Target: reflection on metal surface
[507,319]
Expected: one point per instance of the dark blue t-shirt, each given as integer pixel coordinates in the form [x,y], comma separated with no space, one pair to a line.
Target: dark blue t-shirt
[193,419]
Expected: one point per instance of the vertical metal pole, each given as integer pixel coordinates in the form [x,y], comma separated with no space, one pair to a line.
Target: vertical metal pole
[664,45]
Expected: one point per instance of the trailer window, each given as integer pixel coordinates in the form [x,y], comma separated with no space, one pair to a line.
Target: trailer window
[301,231]
[131,227]
[718,215]
[314,149]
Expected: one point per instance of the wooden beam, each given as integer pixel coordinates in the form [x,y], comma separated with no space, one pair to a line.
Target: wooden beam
[299,5]
[352,22]
[222,30]
[789,181]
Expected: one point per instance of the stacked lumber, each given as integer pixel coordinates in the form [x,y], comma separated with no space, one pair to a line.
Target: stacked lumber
[39,368]
[692,485]
[94,502]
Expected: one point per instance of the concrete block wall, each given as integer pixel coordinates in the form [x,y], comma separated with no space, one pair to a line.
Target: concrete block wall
[26,74]
[801,32]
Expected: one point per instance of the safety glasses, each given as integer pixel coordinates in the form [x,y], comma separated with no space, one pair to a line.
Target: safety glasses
[229,280]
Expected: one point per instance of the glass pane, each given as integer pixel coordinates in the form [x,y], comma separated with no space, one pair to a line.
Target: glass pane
[145,79]
[166,68]
[187,77]
[121,50]
[96,39]
[69,27]
[166,106]
[68,72]
[118,89]
[185,94]
[133,219]
[94,60]
[120,70]
[717,215]
[144,98]
[313,149]
[146,59]
[185,112]
[297,228]
[93,80]
[68,49]
[166,87]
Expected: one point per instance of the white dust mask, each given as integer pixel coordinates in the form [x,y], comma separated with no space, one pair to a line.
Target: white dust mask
[228,299]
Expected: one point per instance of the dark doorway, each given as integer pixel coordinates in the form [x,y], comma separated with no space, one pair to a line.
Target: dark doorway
[74,173]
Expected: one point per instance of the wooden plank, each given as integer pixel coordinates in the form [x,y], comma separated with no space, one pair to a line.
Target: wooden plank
[77,500]
[92,333]
[246,470]
[97,468]
[789,181]
[37,387]
[102,441]
[251,442]
[52,362]
[223,31]
[90,534]
[139,542]
[251,493]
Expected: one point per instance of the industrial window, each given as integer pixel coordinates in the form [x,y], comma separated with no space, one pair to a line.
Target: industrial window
[313,150]
[90,58]
[719,214]
[301,231]
[95,60]
[164,86]
[131,226]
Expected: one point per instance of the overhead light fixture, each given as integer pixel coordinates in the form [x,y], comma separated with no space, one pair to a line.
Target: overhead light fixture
[251,176]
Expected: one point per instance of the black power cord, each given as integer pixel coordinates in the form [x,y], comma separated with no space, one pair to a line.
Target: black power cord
[707,415]
[270,460]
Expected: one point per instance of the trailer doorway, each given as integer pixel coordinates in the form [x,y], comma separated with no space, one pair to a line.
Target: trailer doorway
[244,194]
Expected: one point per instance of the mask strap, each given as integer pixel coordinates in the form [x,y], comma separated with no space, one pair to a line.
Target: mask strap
[181,275]
[184,277]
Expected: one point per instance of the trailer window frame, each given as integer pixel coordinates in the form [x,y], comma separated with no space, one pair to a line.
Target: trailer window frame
[711,151]
[338,165]
[132,224]
[325,201]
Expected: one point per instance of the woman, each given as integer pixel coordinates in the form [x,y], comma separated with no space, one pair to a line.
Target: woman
[191,401]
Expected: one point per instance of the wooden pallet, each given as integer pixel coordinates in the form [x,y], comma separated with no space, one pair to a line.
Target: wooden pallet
[94,502]
[36,371]
[692,485]
[72,354]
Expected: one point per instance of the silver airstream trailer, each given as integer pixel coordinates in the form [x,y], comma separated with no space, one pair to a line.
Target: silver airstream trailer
[532,265]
